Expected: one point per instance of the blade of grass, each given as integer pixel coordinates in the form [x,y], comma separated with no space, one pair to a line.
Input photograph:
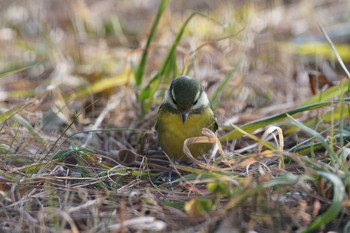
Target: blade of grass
[142,65]
[335,51]
[16,70]
[318,136]
[255,138]
[42,159]
[178,38]
[306,149]
[29,127]
[334,114]
[6,114]
[252,126]
[340,60]
[167,59]
[16,94]
[103,84]
[287,179]
[344,112]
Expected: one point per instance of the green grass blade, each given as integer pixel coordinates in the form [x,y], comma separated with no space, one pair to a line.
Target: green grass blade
[29,127]
[148,92]
[175,44]
[334,114]
[335,51]
[178,38]
[142,65]
[167,66]
[306,149]
[16,70]
[6,114]
[152,86]
[287,179]
[316,135]
[262,142]
[61,154]
[335,208]
[344,112]
[252,126]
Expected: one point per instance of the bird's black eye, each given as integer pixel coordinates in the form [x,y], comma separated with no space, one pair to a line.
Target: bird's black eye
[195,102]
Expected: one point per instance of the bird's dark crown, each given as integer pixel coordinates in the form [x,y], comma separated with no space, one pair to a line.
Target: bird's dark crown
[185,91]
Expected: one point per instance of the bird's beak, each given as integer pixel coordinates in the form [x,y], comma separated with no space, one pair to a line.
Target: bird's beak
[184,116]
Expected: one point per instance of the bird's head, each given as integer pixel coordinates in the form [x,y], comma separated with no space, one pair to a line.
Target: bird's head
[186,95]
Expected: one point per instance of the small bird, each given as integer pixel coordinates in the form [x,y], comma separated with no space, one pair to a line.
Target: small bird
[184,112]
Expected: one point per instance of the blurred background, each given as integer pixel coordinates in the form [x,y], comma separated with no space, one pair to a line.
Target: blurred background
[255,58]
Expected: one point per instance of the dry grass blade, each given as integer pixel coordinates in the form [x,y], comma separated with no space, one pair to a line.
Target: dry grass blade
[209,138]
[255,138]
[64,215]
[16,70]
[279,142]
[140,223]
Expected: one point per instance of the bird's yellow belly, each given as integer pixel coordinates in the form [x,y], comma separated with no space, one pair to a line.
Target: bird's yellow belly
[172,132]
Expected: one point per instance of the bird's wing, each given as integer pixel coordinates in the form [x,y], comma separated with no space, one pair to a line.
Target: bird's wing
[156,125]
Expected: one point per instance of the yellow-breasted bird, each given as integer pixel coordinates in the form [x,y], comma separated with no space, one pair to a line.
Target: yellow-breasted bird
[184,112]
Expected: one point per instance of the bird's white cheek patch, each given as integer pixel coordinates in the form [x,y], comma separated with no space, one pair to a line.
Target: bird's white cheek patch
[197,96]
[169,100]
[173,94]
[202,101]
